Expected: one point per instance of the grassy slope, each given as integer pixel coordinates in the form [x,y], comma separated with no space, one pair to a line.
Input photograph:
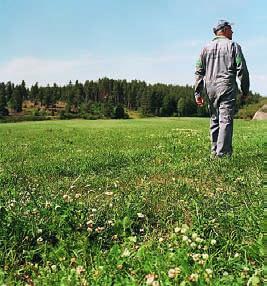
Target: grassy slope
[104,202]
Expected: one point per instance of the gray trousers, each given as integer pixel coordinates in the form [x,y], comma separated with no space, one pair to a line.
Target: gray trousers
[221,125]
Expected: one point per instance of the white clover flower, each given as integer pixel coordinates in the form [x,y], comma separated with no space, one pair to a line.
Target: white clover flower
[66,197]
[89,229]
[73,260]
[119,266]
[140,215]
[155,283]
[184,228]
[126,253]
[196,256]
[209,271]
[213,242]
[99,229]
[198,239]
[193,245]
[109,194]
[236,255]
[161,239]
[47,204]
[173,272]
[194,236]
[193,277]
[54,267]
[185,238]
[205,256]
[80,270]
[177,229]
[39,230]
[150,278]
[94,210]
[77,196]
[40,240]
[90,223]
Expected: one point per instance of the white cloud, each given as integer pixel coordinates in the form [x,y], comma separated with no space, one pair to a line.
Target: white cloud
[162,67]
[165,67]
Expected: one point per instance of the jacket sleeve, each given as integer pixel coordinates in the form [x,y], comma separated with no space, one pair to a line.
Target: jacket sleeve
[242,71]
[199,74]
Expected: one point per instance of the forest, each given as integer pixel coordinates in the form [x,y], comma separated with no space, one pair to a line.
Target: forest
[104,98]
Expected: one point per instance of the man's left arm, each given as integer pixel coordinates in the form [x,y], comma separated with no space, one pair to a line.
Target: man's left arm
[242,71]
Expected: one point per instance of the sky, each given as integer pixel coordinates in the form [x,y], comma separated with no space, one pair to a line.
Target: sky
[152,40]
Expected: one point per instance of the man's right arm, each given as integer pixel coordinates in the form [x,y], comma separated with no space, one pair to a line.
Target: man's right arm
[199,80]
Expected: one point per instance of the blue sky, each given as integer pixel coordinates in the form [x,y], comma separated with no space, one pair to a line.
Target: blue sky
[152,40]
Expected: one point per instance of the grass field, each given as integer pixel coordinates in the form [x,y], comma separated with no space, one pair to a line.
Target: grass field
[133,202]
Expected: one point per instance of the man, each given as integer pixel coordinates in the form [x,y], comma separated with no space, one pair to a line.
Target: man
[219,63]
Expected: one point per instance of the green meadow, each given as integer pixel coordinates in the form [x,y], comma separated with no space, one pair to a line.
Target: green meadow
[130,202]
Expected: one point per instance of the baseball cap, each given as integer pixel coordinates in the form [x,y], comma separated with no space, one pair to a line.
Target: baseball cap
[221,24]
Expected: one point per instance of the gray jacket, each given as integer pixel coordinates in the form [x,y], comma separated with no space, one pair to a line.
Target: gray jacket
[219,63]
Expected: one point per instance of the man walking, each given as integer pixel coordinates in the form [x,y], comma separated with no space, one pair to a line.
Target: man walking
[219,63]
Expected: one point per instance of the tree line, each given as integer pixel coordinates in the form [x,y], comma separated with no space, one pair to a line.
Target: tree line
[108,98]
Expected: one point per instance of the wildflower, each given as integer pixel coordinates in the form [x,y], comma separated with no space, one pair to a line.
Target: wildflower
[73,261]
[47,204]
[155,283]
[80,270]
[194,236]
[150,278]
[54,267]
[67,198]
[140,215]
[173,272]
[198,239]
[109,194]
[185,238]
[177,229]
[213,242]
[99,229]
[89,229]
[39,230]
[77,196]
[184,228]
[40,240]
[161,239]
[94,210]
[110,222]
[193,245]
[209,271]
[126,253]
[205,256]
[89,223]
[119,266]
[196,257]
[236,255]
[193,277]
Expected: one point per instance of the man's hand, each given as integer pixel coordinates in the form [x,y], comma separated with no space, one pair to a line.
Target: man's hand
[243,99]
[199,99]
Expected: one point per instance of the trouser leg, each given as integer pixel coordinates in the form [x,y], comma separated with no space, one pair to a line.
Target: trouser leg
[214,128]
[225,134]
